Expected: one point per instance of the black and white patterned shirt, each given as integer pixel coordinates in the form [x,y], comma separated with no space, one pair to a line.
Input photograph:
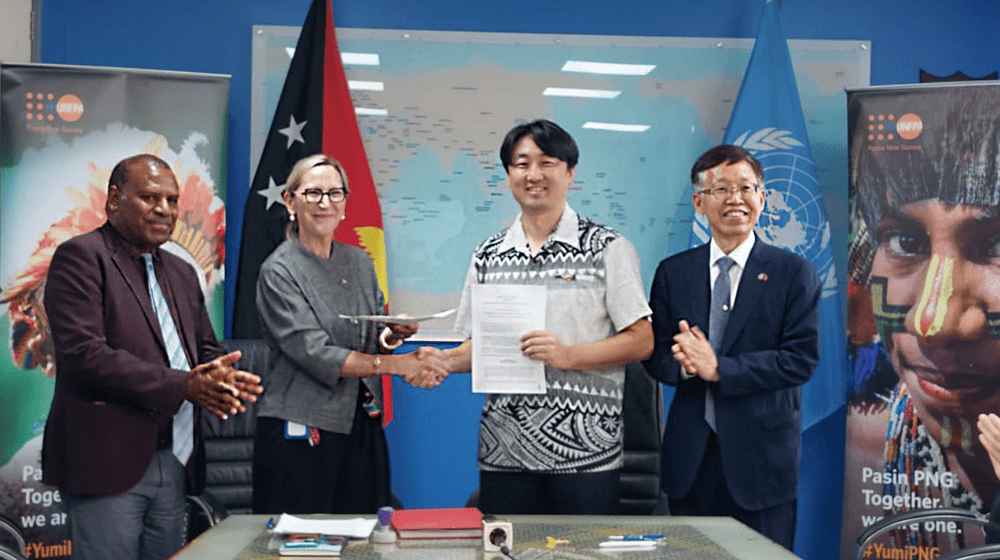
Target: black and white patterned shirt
[594,289]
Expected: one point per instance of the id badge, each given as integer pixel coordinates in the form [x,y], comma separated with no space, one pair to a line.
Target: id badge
[294,430]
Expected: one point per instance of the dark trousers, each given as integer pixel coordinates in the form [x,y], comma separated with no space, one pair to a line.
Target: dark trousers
[503,493]
[710,496]
[341,474]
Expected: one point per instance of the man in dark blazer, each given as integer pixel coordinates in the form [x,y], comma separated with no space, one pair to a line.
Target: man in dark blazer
[108,438]
[732,444]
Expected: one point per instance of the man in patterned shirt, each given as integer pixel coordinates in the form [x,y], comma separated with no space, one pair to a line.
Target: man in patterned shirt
[559,452]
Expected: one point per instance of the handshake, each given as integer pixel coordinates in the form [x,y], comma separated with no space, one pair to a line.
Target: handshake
[426,367]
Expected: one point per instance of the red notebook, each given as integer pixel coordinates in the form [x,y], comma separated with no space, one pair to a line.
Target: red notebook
[440,523]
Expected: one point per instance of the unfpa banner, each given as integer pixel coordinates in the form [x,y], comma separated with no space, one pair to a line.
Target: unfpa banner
[63,128]
[924,313]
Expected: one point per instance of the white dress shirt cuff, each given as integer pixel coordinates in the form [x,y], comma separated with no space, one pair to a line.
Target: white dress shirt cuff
[383,339]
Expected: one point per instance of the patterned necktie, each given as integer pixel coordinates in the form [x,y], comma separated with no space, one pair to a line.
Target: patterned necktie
[183,432]
[718,317]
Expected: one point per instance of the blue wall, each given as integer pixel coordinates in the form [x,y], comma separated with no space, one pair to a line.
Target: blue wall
[215,36]
[433,439]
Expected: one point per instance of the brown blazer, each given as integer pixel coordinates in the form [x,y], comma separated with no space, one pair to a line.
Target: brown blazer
[114,386]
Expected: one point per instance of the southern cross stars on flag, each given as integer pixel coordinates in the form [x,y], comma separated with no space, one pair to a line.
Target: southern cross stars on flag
[315,114]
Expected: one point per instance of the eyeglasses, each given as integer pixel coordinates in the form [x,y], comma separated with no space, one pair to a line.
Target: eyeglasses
[722,193]
[314,196]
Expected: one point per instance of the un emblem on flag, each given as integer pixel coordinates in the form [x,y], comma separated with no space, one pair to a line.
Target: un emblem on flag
[794,216]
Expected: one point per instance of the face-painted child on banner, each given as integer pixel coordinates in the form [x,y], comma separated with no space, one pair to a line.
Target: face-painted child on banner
[927,180]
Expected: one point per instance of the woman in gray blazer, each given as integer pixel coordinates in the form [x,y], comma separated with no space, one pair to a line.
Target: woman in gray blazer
[319,445]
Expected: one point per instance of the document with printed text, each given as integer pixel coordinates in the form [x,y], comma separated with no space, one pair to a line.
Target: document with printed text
[403,319]
[501,314]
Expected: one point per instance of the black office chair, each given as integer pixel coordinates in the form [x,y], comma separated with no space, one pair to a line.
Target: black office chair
[229,443]
[901,521]
[228,453]
[12,545]
[10,554]
[988,552]
[202,513]
[643,425]
[991,551]
[641,492]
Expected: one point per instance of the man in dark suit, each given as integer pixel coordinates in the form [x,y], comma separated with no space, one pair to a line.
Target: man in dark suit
[735,325]
[129,357]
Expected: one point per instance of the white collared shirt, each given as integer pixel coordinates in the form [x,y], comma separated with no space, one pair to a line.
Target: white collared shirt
[740,254]
[594,290]
[566,231]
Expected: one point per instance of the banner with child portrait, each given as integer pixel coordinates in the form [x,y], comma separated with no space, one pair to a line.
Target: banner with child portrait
[62,129]
[924,312]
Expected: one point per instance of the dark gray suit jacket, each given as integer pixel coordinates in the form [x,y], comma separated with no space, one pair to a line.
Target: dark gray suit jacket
[769,349]
[114,386]
[300,298]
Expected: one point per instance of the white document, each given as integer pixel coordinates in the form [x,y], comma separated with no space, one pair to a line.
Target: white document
[501,314]
[398,318]
[357,528]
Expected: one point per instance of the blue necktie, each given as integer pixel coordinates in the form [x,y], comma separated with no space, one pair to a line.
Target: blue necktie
[718,317]
[184,419]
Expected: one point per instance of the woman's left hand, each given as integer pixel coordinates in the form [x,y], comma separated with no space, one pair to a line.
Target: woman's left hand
[402,331]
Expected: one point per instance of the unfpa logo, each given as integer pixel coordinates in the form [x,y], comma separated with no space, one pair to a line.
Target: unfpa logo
[909,126]
[44,107]
[886,128]
[69,107]
[39,106]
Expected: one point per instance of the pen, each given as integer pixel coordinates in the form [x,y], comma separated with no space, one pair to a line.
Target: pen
[270,523]
[636,544]
[636,537]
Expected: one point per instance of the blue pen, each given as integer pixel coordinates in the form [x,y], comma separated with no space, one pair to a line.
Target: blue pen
[636,537]
[270,523]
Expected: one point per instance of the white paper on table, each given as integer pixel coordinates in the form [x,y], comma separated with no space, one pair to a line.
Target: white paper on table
[357,528]
[501,313]
[398,318]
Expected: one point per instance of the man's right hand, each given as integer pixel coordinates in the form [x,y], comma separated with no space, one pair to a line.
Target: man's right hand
[424,367]
[694,352]
[219,387]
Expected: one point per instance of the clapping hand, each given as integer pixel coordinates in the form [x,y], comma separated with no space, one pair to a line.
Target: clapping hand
[989,436]
[694,353]
[220,388]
